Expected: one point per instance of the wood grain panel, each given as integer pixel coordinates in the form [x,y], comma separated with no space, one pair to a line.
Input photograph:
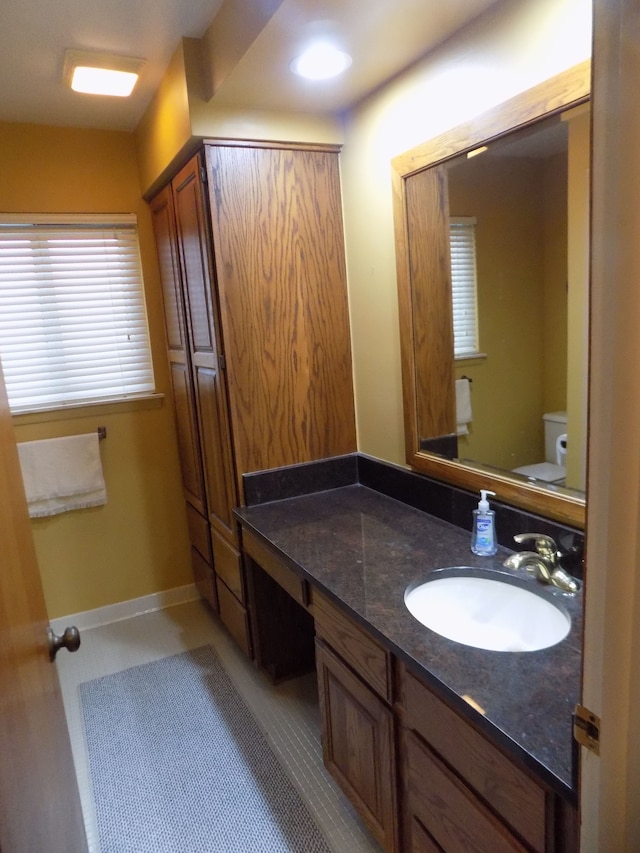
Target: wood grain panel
[279,251]
[520,801]
[227,563]
[193,239]
[199,533]
[427,200]
[421,841]
[358,648]
[164,229]
[358,745]
[296,587]
[449,811]
[216,452]
[204,578]
[234,617]
[187,434]
[162,210]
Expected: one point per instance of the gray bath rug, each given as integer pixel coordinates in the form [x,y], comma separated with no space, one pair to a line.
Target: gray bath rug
[179,765]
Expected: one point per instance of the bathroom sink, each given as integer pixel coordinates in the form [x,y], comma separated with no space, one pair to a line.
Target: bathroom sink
[498,613]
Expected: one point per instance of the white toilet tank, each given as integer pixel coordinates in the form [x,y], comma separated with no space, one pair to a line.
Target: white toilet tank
[555,425]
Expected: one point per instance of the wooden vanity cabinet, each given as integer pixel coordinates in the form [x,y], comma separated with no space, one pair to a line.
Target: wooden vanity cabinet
[358,729]
[460,793]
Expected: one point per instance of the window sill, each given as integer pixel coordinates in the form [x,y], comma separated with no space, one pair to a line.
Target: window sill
[474,356]
[83,410]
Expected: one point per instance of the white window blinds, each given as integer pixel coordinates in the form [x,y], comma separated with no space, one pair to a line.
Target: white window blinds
[463,282]
[73,325]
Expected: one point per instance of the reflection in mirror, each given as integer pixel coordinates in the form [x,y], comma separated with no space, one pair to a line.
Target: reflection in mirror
[493,288]
[513,201]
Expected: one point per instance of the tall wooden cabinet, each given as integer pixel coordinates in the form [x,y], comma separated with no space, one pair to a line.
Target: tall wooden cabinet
[251,251]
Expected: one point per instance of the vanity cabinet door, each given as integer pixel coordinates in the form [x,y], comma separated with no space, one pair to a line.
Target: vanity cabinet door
[358,744]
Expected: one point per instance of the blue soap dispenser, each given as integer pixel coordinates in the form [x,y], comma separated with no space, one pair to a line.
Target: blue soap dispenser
[483,536]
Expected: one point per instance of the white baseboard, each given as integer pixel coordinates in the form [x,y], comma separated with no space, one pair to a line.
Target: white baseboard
[126,609]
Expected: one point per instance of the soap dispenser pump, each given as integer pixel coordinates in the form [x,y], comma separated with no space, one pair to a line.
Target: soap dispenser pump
[483,536]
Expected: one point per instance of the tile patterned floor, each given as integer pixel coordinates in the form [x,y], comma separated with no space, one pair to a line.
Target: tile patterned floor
[288,713]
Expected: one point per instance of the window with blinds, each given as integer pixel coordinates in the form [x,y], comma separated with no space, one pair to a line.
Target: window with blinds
[464,285]
[73,324]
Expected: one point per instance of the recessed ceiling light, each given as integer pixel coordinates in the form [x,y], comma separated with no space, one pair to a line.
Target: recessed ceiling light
[101,73]
[320,61]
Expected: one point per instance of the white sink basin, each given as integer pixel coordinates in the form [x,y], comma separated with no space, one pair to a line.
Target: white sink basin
[488,613]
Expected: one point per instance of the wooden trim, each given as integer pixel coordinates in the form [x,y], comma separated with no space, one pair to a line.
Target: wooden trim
[549,98]
[552,96]
[261,143]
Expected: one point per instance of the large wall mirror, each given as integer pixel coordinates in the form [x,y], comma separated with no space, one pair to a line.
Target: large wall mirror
[492,245]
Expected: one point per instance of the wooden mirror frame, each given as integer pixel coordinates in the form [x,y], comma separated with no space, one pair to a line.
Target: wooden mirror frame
[555,95]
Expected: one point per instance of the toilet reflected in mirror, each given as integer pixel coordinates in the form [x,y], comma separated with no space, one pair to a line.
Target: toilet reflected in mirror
[553,469]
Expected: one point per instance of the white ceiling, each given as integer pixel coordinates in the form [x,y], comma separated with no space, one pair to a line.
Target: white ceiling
[383,36]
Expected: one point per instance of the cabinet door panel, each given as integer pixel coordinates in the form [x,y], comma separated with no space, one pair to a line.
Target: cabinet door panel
[187,431]
[164,230]
[358,745]
[279,248]
[186,424]
[214,434]
[193,239]
[193,236]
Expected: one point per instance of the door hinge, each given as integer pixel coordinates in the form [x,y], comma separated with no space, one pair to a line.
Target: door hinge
[586,728]
[203,174]
[222,364]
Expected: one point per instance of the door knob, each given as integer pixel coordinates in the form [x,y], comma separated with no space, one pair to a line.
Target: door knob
[69,640]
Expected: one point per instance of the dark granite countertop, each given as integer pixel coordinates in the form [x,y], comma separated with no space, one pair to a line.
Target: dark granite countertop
[364,549]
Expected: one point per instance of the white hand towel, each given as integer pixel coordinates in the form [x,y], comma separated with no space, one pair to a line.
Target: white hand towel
[62,474]
[463,406]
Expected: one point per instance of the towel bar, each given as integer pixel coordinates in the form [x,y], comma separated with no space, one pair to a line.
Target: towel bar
[102,432]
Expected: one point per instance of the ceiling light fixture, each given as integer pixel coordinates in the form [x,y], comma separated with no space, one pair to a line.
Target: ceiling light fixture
[320,62]
[101,73]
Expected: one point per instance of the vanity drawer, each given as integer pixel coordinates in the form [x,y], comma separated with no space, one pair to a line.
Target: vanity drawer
[228,565]
[450,812]
[514,795]
[297,587]
[235,617]
[204,578]
[364,655]
[199,532]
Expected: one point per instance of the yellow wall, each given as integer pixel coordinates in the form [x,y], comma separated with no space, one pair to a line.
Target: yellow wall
[165,128]
[508,50]
[137,544]
[504,195]
[181,114]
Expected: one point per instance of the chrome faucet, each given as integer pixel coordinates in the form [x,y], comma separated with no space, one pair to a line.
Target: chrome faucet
[543,562]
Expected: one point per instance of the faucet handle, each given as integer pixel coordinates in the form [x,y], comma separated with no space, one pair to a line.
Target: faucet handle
[544,545]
